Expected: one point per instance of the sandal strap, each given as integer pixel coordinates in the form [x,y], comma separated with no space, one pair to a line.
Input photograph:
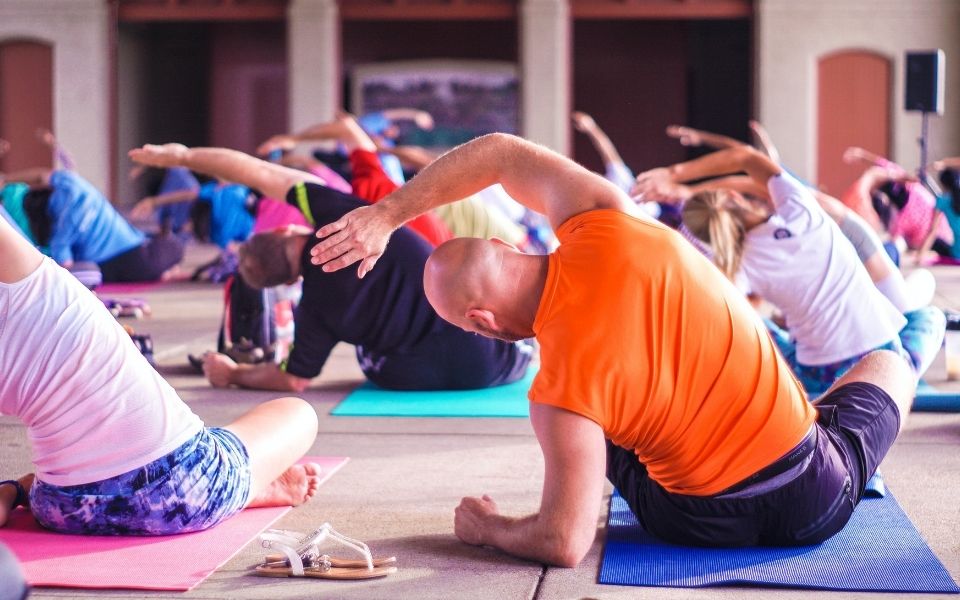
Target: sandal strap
[22,498]
[325,532]
[279,542]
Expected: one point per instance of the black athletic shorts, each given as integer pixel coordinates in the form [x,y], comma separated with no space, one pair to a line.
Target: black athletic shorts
[856,425]
[146,262]
[448,360]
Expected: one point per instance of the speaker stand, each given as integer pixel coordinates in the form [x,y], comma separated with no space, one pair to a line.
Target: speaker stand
[922,140]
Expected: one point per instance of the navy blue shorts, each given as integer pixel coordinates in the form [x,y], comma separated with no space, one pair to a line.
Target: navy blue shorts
[856,425]
[448,360]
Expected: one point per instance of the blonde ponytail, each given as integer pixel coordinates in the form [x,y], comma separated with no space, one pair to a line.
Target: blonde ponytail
[714,218]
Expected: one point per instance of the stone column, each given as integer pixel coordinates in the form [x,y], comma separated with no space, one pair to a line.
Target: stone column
[313,51]
[78,32]
[545,72]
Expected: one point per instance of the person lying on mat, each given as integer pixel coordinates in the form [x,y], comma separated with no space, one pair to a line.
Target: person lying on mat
[116,451]
[400,341]
[792,253]
[654,368]
[71,218]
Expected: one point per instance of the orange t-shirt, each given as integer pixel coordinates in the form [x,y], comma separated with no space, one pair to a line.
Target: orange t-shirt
[641,334]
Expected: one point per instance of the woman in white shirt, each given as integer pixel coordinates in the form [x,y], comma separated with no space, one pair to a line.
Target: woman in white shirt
[116,451]
[793,254]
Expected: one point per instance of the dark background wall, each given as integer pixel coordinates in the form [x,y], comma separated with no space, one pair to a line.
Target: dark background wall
[637,77]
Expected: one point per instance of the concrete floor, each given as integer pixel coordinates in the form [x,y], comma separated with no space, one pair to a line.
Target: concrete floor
[405,477]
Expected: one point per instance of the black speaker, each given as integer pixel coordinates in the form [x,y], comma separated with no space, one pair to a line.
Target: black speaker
[924,81]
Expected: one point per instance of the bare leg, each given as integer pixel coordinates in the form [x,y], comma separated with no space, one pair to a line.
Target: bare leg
[8,494]
[276,434]
[888,371]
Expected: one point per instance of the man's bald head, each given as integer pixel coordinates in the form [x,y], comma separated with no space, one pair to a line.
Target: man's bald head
[485,286]
[456,274]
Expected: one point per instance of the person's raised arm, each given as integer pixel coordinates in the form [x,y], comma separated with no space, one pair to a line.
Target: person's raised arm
[145,206]
[535,176]
[598,137]
[271,179]
[952,162]
[763,140]
[562,531]
[343,129]
[414,157]
[856,154]
[741,158]
[60,154]
[688,136]
[421,118]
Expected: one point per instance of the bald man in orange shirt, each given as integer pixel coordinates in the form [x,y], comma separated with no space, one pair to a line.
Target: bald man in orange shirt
[654,369]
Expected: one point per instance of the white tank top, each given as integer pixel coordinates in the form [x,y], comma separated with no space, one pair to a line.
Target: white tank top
[93,406]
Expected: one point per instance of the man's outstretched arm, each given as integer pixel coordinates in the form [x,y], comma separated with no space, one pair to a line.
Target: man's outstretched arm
[229,165]
[535,176]
[562,532]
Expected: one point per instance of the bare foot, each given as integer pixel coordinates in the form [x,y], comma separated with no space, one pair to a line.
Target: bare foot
[8,494]
[297,485]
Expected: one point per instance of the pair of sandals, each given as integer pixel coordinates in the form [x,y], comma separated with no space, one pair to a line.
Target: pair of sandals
[300,556]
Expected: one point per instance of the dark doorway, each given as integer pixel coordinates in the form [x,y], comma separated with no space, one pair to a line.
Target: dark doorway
[636,77]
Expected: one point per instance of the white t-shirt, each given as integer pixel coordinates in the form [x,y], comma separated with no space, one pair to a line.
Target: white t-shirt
[801,262]
[93,406]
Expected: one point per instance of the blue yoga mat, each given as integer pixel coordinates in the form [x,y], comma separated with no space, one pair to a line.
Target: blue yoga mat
[369,400]
[930,399]
[879,551]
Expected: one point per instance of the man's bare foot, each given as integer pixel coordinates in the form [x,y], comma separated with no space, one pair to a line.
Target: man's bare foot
[297,485]
[8,494]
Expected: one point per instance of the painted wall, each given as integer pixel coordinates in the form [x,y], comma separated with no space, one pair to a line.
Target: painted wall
[77,30]
[792,35]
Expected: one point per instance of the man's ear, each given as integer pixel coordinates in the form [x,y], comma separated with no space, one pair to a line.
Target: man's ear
[483,317]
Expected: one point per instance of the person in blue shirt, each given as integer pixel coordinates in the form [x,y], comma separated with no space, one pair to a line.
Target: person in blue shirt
[80,225]
[220,212]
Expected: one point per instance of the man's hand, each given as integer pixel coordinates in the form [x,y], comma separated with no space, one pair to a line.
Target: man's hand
[218,368]
[166,155]
[470,519]
[361,234]
[277,142]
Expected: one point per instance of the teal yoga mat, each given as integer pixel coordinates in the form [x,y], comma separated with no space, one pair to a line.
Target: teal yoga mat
[369,400]
[930,399]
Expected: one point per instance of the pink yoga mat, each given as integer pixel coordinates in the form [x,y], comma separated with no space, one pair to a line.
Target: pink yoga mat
[177,562]
[127,288]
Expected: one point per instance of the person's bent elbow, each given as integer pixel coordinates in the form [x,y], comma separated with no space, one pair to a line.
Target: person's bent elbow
[569,553]
[567,548]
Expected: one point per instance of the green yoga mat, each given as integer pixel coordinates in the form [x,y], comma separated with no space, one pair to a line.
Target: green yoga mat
[369,400]
[930,399]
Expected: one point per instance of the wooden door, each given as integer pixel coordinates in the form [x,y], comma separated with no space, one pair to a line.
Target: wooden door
[853,109]
[26,102]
